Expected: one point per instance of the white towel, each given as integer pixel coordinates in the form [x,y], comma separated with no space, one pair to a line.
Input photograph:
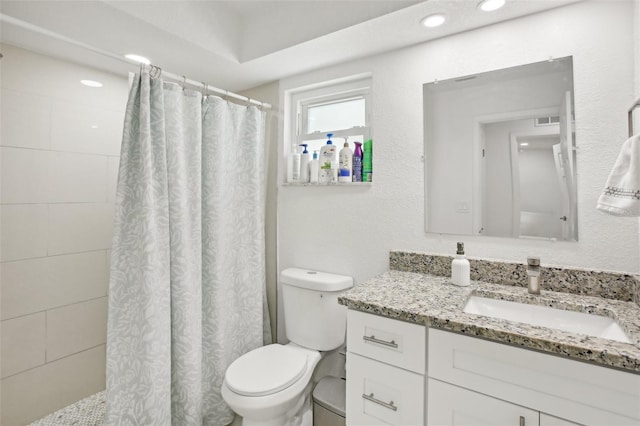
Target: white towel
[621,195]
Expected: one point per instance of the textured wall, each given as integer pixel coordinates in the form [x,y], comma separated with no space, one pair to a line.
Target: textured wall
[60,149]
[269,93]
[350,230]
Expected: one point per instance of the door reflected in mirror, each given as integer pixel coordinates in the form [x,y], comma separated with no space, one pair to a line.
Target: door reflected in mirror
[499,153]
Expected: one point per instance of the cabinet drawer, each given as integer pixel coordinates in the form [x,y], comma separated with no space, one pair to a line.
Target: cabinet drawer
[454,406]
[395,342]
[581,392]
[379,394]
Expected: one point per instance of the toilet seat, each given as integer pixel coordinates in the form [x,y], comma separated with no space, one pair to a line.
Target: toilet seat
[266,370]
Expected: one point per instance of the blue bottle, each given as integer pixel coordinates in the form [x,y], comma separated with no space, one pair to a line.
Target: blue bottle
[357,163]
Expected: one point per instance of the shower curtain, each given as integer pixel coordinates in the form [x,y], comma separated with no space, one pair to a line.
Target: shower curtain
[187,288]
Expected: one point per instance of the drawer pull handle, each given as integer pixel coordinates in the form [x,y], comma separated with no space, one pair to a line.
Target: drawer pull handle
[372,339]
[521,420]
[388,405]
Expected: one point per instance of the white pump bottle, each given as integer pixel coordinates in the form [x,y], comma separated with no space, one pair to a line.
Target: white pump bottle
[460,268]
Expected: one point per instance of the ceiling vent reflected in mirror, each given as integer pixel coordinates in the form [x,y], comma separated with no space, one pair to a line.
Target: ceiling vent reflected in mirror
[547,121]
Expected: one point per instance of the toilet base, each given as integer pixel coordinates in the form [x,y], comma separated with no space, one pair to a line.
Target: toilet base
[306,420]
[300,414]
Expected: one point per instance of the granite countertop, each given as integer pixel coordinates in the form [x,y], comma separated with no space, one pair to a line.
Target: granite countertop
[434,302]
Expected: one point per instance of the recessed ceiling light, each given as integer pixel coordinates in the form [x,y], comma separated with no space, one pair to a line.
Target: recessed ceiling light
[91,83]
[491,5]
[434,20]
[524,144]
[138,58]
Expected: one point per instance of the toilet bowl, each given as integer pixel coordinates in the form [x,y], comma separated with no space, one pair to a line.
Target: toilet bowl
[268,386]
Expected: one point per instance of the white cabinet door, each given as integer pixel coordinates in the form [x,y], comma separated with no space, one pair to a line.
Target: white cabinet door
[380,394]
[450,405]
[548,420]
[387,340]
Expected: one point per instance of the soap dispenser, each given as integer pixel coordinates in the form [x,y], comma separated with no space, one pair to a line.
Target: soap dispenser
[314,167]
[460,268]
[305,159]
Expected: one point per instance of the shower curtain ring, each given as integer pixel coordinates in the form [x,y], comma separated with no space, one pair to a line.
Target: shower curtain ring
[248,102]
[155,72]
[204,88]
[184,82]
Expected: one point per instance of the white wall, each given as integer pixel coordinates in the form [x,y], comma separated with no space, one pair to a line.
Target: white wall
[269,93]
[58,187]
[636,58]
[350,230]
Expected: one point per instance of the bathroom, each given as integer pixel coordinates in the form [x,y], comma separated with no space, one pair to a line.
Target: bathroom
[386,215]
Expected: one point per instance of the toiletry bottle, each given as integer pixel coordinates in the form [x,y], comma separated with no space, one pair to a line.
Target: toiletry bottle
[460,269]
[290,163]
[305,157]
[367,161]
[314,167]
[328,170]
[357,163]
[346,163]
[295,174]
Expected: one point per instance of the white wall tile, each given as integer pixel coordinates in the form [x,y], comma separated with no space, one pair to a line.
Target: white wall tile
[112,178]
[24,231]
[25,120]
[35,393]
[24,175]
[76,327]
[77,178]
[36,285]
[89,129]
[74,228]
[23,343]
[56,78]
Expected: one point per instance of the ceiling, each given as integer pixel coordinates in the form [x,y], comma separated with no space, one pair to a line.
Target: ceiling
[237,44]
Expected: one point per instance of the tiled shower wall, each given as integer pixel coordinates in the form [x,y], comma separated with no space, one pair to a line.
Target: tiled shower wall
[59,151]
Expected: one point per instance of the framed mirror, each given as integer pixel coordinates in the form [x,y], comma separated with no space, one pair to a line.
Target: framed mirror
[500,153]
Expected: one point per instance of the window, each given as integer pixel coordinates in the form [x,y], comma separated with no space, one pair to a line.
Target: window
[342,109]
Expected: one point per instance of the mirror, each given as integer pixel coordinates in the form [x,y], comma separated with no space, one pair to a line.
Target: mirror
[499,153]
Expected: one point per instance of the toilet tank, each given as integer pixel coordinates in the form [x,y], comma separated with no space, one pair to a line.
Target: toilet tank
[312,316]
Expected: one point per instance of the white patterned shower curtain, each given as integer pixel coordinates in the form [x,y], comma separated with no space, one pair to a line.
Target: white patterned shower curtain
[187,286]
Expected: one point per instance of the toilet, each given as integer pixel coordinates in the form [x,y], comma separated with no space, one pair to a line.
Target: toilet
[268,386]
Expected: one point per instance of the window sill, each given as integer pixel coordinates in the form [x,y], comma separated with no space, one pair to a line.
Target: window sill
[328,184]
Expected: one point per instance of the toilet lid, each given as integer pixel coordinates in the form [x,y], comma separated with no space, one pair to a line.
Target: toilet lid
[265,370]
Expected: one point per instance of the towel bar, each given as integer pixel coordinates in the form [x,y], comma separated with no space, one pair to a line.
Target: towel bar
[634,106]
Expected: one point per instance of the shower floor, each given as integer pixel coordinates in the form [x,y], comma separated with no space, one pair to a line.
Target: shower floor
[86,412]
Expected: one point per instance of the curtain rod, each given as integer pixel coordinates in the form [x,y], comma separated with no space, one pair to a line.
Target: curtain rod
[31,27]
[202,85]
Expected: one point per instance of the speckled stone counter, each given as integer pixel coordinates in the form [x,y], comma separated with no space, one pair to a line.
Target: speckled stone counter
[610,285]
[432,301]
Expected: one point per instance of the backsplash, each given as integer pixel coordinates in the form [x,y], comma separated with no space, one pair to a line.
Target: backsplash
[609,285]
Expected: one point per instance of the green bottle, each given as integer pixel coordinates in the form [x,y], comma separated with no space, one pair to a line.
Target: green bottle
[367,161]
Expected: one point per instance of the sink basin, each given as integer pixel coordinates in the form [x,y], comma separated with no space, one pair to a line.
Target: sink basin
[559,319]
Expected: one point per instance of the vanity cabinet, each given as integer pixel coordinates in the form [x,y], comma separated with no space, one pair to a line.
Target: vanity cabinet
[386,361]
[478,382]
[451,405]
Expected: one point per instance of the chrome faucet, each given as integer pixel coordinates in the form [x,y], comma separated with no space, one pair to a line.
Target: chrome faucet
[533,273]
